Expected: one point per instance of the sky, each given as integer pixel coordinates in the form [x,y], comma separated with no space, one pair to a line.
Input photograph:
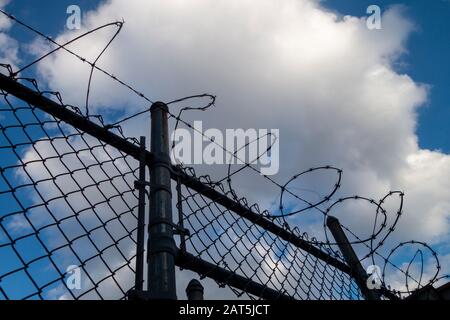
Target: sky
[372,102]
[425,61]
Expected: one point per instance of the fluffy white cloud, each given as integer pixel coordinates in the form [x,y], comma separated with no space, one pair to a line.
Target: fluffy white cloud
[327,82]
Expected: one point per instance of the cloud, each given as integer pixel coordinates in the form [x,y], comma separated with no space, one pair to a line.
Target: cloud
[328,83]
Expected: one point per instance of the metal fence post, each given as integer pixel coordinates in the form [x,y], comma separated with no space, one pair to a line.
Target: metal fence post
[140,185]
[194,290]
[351,258]
[162,248]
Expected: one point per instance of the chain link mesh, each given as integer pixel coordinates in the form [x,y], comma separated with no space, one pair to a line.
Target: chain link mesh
[66,199]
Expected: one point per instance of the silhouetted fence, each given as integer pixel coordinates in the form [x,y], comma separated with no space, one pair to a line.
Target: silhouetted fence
[69,197]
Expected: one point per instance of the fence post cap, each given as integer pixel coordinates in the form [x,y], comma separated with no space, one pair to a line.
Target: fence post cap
[193,285]
[159,105]
[332,220]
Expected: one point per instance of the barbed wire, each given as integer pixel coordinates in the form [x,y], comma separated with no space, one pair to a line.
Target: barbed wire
[79,57]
